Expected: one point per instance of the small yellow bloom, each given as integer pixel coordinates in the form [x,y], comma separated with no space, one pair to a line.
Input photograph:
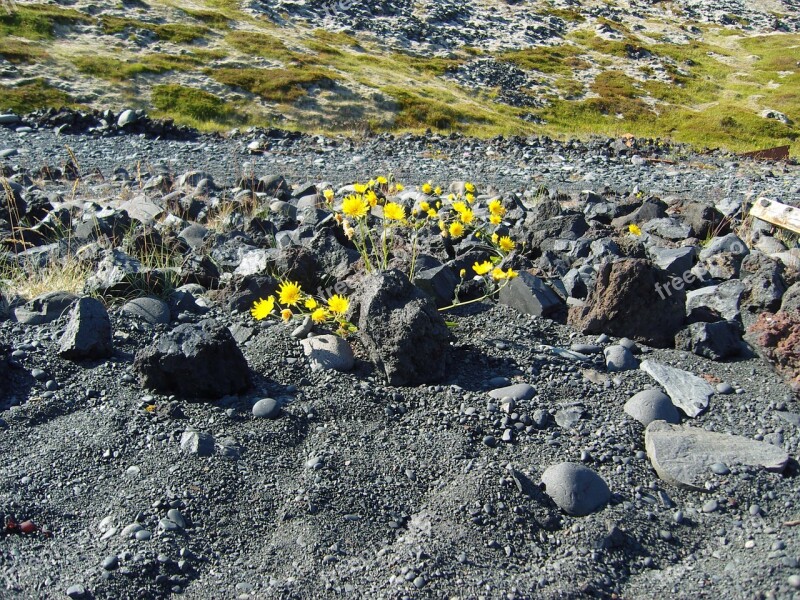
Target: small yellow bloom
[427,189]
[482,268]
[456,229]
[511,273]
[459,207]
[495,219]
[348,229]
[467,216]
[634,229]
[470,198]
[381,180]
[289,293]
[469,187]
[338,304]
[371,183]
[286,314]
[310,303]
[424,206]
[438,191]
[355,206]
[359,188]
[506,244]
[462,272]
[262,308]
[432,213]
[498,274]
[319,315]
[496,208]
[451,197]
[399,187]
[394,212]
[495,237]
[328,195]
[371,197]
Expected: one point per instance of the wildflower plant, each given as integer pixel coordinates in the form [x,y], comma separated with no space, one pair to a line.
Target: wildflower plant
[292,303]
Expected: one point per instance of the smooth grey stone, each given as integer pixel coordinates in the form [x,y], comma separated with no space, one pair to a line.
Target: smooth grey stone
[45,308]
[130,530]
[127,117]
[328,352]
[727,243]
[143,535]
[586,348]
[266,408]
[652,405]
[518,391]
[76,591]
[569,416]
[675,261]
[711,506]
[149,310]
[619,358]
[8,152]
[724,388]
[195,442]
[683,456]
[303,329]
[110,563]
[9,119]
[720,469]
[576,489]
[176,517]
[687,392]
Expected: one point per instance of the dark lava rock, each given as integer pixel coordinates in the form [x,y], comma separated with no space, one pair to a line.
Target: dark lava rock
[716,341]
[88,334]
[402,330]
[530,295]
[45,308]
[194,360]
[626,302]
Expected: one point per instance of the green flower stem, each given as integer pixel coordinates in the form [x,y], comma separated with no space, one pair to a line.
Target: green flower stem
[474,300]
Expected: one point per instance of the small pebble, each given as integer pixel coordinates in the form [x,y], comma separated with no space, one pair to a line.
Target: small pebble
[710,506]
[110,563]
[720,469]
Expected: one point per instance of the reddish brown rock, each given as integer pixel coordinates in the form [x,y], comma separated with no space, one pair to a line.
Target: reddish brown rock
[633,299]
[777,337]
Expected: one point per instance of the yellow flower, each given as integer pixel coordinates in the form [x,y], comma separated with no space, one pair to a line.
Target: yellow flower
[328,195]
[348,229]
[381,180]
[469,187]
[495,219]
[286,314]
[495,237]
[394,212]
[438,191]
[359,188]
[451,197]
[482,268]
[467,216]
[506,244]
[496,208]
[338,304]
[310,303]
[427,188]
[498,274]
[424,206]
[262,308]
[371,183]
[511,273]
[289,293]
[319,315]
[354,206]
[442,225]
[634,229]
[432,213]
[462,272]
[456,229]
[470,198]
[371,197]
[459,207]
[399,187]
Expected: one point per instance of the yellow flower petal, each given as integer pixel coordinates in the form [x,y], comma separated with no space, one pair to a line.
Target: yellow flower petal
[338,304]
[482,268]
[289,293]
[262,308]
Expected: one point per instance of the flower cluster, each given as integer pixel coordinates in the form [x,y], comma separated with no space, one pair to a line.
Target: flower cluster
[292,302]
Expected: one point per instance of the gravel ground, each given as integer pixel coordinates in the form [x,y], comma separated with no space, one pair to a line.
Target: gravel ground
[363,490]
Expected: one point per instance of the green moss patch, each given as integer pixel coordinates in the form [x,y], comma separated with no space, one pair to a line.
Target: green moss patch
[259,44]
[554,60]
[194,107]
[178,33]
[18,51]
[37,21]
[275,85]
[30,96]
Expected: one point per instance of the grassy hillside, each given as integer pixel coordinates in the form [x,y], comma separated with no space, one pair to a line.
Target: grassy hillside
[214,65]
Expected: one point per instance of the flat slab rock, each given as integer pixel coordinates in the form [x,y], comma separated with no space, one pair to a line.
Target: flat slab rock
[683,456]
[687,392]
